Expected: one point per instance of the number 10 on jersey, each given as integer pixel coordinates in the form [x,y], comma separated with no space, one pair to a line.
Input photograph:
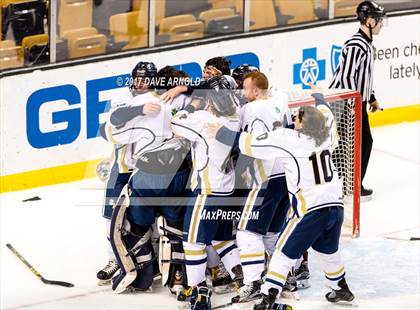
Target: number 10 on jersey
[322,162]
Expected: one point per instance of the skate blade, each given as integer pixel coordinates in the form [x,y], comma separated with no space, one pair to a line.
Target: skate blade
[251,299]
[133,290]
[183,305]
[290,295]
[365,198]
[104,282]
[237,306]
[345,304]
[224,289]
[303,284]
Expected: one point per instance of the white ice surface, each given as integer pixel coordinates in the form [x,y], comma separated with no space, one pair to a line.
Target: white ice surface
[63,236]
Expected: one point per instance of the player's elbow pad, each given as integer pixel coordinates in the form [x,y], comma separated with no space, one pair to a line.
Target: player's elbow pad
[228,137]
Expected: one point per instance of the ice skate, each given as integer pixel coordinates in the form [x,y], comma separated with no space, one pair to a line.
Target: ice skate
[343,295]
[302,276]
[268,302]
[200,298]
[248,292]
[221,281]
[290,290]
[105,274]
[183,297]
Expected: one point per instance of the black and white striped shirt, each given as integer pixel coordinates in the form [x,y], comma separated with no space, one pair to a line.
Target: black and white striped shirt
[355,69]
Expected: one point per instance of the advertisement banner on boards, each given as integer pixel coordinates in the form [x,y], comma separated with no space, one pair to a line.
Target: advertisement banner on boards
[51,117]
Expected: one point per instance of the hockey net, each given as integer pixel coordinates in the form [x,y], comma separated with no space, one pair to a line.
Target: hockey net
[346,107]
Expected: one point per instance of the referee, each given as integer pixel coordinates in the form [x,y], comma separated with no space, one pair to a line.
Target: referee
[355,71]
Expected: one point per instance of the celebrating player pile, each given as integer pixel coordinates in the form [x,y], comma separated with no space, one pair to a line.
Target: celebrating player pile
[235,191]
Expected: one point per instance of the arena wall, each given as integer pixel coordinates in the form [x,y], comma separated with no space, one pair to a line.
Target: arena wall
[49,118]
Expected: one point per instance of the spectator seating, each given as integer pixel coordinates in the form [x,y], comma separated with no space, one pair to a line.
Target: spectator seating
[186,31]
[301,11]
[74,14]
[130,27]
[11,56]
[85,42]
[209,15]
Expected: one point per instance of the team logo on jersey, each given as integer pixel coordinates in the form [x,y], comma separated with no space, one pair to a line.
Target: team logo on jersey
[310,70]
[262,137]
[335,57]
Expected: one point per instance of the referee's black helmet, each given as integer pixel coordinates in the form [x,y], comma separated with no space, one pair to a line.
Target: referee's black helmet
[368,9]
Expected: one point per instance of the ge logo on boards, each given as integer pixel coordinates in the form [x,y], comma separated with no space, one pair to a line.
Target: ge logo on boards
[64,126]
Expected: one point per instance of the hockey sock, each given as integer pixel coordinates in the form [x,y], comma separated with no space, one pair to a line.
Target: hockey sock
[278,269]
[195,262]
[229,254]
[298,262]
[252,254]
[270,240]
[213,258]
[333,268]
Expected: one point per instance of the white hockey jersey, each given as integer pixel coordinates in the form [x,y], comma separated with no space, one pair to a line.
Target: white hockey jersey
[213,170]
[148,133]
[258,117]
[312,178]
[122,154]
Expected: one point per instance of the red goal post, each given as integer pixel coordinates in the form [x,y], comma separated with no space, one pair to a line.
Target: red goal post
[347,109]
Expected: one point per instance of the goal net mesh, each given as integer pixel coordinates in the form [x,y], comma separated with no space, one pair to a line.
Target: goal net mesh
[346,107]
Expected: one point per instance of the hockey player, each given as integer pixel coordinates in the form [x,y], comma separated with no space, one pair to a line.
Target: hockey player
[239,74]
[212,183]
[268,196]
[162,171]
[299,276]
[316,215]
[121,167]
[216,66]
[221,280]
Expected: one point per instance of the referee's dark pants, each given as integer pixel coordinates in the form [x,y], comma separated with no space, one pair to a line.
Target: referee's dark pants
[366,140]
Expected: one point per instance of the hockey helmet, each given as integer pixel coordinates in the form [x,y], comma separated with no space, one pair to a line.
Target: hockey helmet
[144,69]
[240,71]
[220,96]
[368,9]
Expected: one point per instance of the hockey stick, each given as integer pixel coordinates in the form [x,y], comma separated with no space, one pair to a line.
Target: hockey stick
[35,272]
[223,306]
[403,239]
[237,303]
